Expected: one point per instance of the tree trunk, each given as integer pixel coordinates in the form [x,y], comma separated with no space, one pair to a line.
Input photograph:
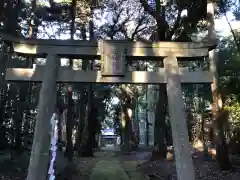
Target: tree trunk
[33,24]
[87,150]
[88,146]
[70,120]
[126,129]
[146,117]
[22,103]
[81,122]
[137,129]
[82,104]
[3,91]
[89,139]
[159,150]
[220,140]
[19,119]
[60,109]
[69,125]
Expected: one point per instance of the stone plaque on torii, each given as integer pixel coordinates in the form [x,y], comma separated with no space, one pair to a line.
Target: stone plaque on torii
[114,55]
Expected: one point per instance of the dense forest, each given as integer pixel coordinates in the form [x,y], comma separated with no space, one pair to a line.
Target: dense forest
[85,109]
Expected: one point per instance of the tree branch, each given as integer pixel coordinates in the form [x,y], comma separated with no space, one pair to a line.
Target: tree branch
[148,8]
[136,30]
[176,25]
[159,16]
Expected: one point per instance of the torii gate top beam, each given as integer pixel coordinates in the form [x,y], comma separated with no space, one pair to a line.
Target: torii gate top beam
[79,48]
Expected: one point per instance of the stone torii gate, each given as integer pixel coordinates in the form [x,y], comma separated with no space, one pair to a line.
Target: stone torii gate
[113,55]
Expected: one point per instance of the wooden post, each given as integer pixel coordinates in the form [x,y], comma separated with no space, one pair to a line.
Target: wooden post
[38,165]
[183,159]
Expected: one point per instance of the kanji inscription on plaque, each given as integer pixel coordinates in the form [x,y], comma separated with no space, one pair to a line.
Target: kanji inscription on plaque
[113,59]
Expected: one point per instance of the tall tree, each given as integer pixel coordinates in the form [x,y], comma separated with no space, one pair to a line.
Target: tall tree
[69,124]
[9,18]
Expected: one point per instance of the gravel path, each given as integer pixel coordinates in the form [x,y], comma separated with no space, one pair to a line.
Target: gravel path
[135,166]
[119,167]
[108,170]
[80,169]
[130,163]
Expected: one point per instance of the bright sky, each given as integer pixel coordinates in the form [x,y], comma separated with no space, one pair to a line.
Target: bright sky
[222,26]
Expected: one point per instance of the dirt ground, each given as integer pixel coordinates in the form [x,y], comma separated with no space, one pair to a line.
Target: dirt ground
[112,165]
[138,167]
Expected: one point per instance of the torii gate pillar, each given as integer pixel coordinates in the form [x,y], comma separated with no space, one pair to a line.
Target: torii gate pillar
[183,158]
[46,108]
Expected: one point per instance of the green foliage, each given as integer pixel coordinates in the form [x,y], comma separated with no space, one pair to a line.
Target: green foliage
[229,67]
[234,117]
[229,86]
[234,108]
